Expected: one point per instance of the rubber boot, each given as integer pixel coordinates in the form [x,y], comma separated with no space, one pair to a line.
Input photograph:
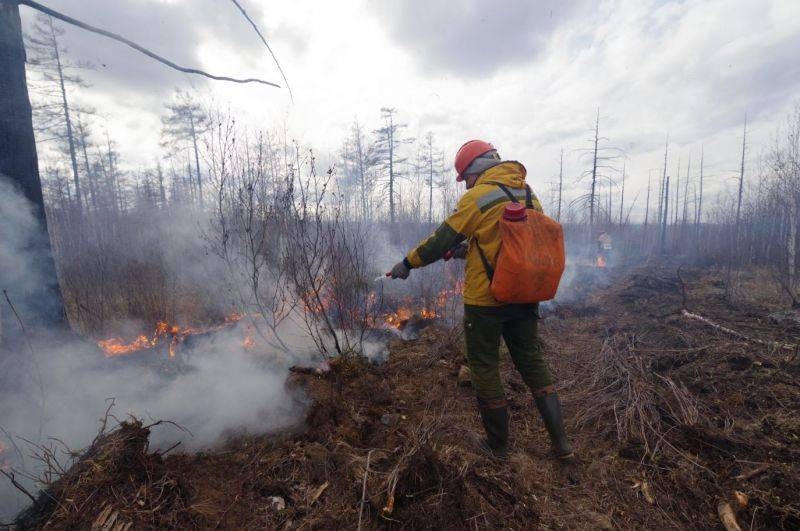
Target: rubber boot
[550,409]
[494,415]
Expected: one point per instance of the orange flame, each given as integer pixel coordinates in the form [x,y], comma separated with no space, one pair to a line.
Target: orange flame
[601,261]
[163,332]
[402,315]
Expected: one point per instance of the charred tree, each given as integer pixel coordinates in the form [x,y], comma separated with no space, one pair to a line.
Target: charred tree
[43,305]
[560,183]
[699,216]
[622,195]
[594,173]
[741,189]
[666,218]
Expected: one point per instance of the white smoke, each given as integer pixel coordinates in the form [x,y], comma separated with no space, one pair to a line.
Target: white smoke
[60,386]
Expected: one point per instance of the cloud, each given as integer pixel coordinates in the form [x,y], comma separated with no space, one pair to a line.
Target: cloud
[473,38]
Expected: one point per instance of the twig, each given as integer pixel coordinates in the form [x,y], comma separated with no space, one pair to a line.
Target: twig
[14,444]
[774,344]
[10,476]
[291,97]
[364,490]
[168,449]
[753,473]
[33,359]
[69,20]
[185,430]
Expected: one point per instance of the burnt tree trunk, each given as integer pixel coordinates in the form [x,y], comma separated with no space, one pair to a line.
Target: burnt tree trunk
[42,304]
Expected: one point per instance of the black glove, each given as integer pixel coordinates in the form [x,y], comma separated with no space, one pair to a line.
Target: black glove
[460,250]
[401,269]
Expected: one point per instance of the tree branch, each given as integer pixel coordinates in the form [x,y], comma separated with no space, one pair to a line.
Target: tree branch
[291,97]
[69,20]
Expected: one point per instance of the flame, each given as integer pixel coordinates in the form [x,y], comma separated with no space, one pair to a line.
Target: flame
[402,315]
[164,332]
[601,261]
[249,342]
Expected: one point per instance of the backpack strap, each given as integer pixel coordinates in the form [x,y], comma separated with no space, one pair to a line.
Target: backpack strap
[486,265]
[528,193]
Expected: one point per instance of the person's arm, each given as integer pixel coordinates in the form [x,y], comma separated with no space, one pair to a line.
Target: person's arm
[458,227]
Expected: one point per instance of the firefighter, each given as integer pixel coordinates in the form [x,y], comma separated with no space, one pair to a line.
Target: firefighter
[472,230]
[603,248]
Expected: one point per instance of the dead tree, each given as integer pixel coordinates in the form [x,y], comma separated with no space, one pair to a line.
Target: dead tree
[388,144]
[185,122]
[661,213]
[602,158]
[741,189]
[699,216]
[48,57]
[433,161]
[686,193]
[560,183]
[19,163]
[665,220]
[594,171]
[622,195]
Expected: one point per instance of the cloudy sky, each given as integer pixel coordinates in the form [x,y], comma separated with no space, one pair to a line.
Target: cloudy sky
[528,76]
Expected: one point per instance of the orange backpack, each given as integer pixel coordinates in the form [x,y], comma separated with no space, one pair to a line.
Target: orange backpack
[531,259]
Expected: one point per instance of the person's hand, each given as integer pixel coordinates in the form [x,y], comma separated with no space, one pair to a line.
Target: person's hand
[400,270]
[460,250]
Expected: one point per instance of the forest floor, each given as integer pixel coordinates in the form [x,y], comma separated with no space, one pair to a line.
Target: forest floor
[674,422]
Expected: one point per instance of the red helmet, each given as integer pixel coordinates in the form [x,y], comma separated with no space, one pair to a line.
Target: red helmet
[467,153]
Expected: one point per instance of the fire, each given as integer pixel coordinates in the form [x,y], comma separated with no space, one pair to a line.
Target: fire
[402,315]
[601,261]
[249,343]
[171,334]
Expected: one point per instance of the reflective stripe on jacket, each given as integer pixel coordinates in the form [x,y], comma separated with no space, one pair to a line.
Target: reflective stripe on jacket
[476,218]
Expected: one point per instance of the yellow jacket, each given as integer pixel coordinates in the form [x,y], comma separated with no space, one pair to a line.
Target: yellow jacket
[476,218]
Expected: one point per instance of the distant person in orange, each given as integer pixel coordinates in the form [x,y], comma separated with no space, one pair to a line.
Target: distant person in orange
[603,249]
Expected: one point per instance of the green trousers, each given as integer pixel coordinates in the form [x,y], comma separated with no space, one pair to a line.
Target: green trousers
[517,324]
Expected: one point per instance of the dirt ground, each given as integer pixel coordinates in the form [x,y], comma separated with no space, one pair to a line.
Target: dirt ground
[673,420]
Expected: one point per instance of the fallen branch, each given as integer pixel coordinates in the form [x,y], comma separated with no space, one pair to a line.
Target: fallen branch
[712,324]
[753,473]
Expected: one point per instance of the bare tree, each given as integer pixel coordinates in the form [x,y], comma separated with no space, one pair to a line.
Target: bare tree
[741,188]
[185,122]
[389,141]
[47,56]
[432,159]
[560,183]
[600,171]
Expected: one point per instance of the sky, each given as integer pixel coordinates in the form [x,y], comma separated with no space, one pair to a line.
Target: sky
[527,76]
